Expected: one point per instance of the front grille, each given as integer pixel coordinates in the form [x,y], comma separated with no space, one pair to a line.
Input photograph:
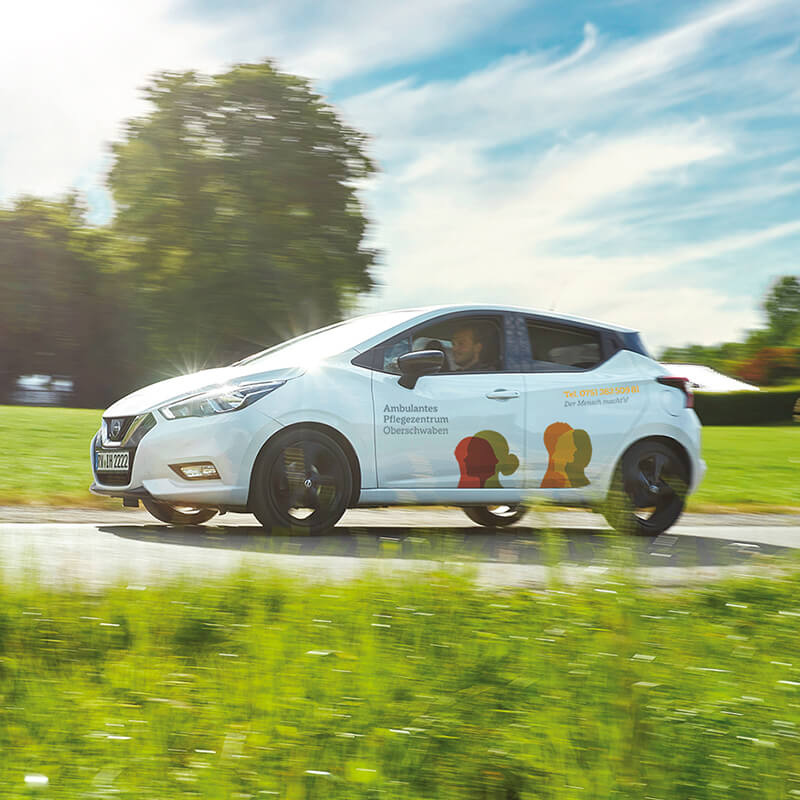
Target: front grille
[114,478]
[117,427]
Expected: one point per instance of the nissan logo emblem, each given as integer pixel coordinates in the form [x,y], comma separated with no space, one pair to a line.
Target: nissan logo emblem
[116,428]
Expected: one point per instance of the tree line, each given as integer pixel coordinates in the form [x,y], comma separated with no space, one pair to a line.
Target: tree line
[236,224]
[767,356]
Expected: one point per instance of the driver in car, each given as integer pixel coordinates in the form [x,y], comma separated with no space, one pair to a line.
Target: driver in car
[469,348]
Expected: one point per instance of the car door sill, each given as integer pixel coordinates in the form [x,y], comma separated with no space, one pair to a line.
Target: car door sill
[424,497]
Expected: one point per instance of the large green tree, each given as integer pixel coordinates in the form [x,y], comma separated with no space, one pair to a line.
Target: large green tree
[237,215]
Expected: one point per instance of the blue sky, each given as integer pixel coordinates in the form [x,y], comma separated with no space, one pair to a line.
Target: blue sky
[631,161]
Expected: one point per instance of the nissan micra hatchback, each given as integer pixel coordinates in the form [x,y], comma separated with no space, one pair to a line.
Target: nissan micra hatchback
[485,408]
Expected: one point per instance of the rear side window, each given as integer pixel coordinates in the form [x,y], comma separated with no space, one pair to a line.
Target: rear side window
[557,348]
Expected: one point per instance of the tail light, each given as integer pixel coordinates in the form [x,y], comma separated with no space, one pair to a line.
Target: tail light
[684,384]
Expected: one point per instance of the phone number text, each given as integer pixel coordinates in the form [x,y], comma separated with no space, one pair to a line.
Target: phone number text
[602,391]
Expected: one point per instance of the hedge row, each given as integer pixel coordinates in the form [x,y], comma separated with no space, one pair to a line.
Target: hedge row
[768,406]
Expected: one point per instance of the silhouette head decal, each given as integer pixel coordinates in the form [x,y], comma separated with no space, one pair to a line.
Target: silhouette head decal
[482,458]
[507,463]
[583,455]
[569,454]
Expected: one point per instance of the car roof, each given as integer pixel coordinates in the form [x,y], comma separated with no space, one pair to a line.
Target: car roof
[422,314]
[555,316]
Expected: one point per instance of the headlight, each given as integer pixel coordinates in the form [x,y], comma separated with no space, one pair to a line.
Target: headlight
[219,401]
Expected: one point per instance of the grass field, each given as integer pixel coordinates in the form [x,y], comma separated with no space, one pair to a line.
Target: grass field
[750,468]
[44,458]
[256,686]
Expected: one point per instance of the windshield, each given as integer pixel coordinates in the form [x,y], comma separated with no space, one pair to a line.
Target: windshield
[325,342]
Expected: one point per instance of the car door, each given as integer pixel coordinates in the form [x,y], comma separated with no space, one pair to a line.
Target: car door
[581,400]
[456,429]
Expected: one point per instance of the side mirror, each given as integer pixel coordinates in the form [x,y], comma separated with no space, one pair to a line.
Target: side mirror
[412,366]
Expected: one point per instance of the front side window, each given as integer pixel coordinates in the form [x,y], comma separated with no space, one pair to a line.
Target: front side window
[560,348]
[469,344]
[391,352]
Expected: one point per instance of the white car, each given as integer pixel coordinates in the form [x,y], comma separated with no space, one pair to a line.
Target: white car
[485,408]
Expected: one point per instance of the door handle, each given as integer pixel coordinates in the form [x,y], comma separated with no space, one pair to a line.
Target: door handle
[502,394]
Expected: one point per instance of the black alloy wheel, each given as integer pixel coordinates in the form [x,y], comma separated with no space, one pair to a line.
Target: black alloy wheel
[176,514]
[495,516]
[301,482]
[649,489]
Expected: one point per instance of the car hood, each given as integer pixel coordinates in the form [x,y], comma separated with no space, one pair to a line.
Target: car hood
[158,394]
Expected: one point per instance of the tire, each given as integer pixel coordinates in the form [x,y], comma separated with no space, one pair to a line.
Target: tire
[649,488]
[495,516]
[177,514]
[302,482]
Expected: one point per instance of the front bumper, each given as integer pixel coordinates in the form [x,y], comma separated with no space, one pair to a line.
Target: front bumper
[130,496]
[230,441]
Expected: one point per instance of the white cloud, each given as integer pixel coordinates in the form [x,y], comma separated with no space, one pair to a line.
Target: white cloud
[72,72]
[620,164]
[331,39]
[461,222]
[738,241]
[475,238]
[664,52]
[528,94]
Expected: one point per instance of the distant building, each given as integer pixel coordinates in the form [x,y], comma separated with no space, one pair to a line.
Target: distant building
[705,379]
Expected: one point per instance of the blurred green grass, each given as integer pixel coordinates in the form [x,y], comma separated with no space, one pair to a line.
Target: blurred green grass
[44,456]
[258,685]
[750,468]
[44,459]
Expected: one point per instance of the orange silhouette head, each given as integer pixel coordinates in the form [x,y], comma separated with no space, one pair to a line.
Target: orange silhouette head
[552,434]
[560,444]
[570,452]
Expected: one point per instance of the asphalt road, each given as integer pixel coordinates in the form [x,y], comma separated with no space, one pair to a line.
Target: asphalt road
[92,549]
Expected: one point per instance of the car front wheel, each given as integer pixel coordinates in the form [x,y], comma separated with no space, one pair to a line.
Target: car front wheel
[495,516]
[648,491]
[177,514]
[302,482]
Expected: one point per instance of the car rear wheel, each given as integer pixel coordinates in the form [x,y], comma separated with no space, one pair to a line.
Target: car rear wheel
[302,482]
[649,490]
[495,516]
[176,514]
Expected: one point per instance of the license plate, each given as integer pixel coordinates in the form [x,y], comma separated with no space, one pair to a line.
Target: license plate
[114,461]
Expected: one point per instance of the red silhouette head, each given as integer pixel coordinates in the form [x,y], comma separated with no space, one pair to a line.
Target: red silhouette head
[477,462]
